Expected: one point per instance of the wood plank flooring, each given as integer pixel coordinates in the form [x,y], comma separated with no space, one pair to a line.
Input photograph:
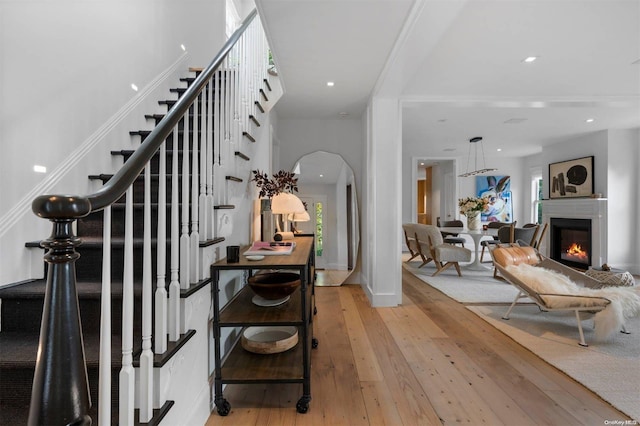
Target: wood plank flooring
[427,362]
[330,277]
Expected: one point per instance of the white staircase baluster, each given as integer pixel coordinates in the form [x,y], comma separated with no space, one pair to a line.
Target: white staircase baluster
[237,100]
[245,80]
[174,285]
[204,145]
[146,357]
[224,148]
[210,159]
[241,115]
[127,373]
[264,51]
[253,87]
[184,231]
[104,374]
[217,117]
[194,248]
[160,340]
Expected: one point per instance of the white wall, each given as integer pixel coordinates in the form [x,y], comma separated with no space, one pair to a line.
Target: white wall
[67,66]
[583,146]
[623,193]
[65,70]
[382,207]
[298,137]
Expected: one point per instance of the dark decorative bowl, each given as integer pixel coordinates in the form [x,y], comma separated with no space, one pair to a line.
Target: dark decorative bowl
[274,285]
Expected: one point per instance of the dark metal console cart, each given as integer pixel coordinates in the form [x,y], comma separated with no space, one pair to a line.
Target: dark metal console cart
[292,366]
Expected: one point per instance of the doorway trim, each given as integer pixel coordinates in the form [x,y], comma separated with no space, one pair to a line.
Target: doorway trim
[415,160]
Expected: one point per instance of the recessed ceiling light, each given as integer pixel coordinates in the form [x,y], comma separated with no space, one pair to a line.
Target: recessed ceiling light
[321,175]
[343,114]
[422,163]
[330,83]
[499,149]
[183,47]
[590,120]
[530,59]
[39,169]
[134,87]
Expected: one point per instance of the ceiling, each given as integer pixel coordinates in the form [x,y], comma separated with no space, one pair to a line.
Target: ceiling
[458,67]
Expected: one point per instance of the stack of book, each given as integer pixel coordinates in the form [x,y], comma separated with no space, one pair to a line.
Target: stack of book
[266,248]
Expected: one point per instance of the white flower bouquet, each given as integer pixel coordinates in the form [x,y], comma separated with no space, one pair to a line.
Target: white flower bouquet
[469,205]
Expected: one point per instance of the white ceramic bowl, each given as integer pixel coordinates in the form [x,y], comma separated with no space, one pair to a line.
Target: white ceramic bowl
[269,339]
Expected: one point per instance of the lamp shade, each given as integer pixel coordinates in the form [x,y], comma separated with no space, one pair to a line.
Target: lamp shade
[285,203]
[299,217]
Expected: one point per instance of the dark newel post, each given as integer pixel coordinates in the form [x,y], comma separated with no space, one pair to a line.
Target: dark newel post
[60,392]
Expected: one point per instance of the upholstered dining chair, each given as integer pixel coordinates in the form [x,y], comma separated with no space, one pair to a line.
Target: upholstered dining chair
[432,247]
[526,235]
[450,237]
[540,238]
[494,225]
[410,240]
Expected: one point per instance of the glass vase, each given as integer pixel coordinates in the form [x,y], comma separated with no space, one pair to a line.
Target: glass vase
[473,221]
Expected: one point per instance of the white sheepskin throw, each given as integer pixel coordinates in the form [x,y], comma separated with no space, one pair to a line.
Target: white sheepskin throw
[625,302]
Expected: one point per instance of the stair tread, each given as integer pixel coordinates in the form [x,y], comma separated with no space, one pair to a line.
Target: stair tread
[35,289]
[20,349]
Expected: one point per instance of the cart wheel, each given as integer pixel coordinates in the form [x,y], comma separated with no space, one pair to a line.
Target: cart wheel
[314,343]
[223,407]
[303,404]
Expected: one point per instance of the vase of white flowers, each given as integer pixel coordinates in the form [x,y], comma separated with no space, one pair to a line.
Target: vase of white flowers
[471,207]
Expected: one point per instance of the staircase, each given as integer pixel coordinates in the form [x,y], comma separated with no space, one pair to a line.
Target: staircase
[22,303]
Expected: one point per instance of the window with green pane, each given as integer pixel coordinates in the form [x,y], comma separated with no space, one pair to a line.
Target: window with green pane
[319,229]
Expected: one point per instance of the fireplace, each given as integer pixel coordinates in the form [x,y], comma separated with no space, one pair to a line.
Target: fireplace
[592,210]
[571,242]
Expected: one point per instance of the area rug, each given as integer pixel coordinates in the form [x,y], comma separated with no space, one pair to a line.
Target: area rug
[474,287]
[611,369]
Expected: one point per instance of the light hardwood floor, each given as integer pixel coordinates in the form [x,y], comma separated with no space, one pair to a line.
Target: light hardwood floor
[427,362]
[330,277]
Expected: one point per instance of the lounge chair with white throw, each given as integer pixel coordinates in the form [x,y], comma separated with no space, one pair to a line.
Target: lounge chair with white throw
[556,287]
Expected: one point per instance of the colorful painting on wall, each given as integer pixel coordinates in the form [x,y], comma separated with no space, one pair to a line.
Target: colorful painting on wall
[498,190]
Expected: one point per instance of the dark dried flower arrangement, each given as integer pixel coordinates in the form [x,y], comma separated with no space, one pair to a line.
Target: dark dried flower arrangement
[281,182]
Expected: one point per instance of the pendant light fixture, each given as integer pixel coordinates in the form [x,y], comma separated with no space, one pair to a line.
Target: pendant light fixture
[474,141]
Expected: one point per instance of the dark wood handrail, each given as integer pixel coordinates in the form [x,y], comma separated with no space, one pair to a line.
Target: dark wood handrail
[60,392]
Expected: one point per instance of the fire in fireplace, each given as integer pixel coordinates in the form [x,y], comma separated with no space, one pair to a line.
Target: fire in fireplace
[575,253]
[571,241]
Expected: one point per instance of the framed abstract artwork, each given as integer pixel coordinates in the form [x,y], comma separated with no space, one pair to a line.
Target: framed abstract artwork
[572,178]
[498,190]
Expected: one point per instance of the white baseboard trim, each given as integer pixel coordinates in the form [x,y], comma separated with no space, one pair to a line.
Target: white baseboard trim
[380,300]
[9,219]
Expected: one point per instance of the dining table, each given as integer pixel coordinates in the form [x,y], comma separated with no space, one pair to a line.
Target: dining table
[476,235]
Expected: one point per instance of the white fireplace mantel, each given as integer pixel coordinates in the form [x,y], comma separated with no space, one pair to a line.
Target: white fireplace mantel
[580,208]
